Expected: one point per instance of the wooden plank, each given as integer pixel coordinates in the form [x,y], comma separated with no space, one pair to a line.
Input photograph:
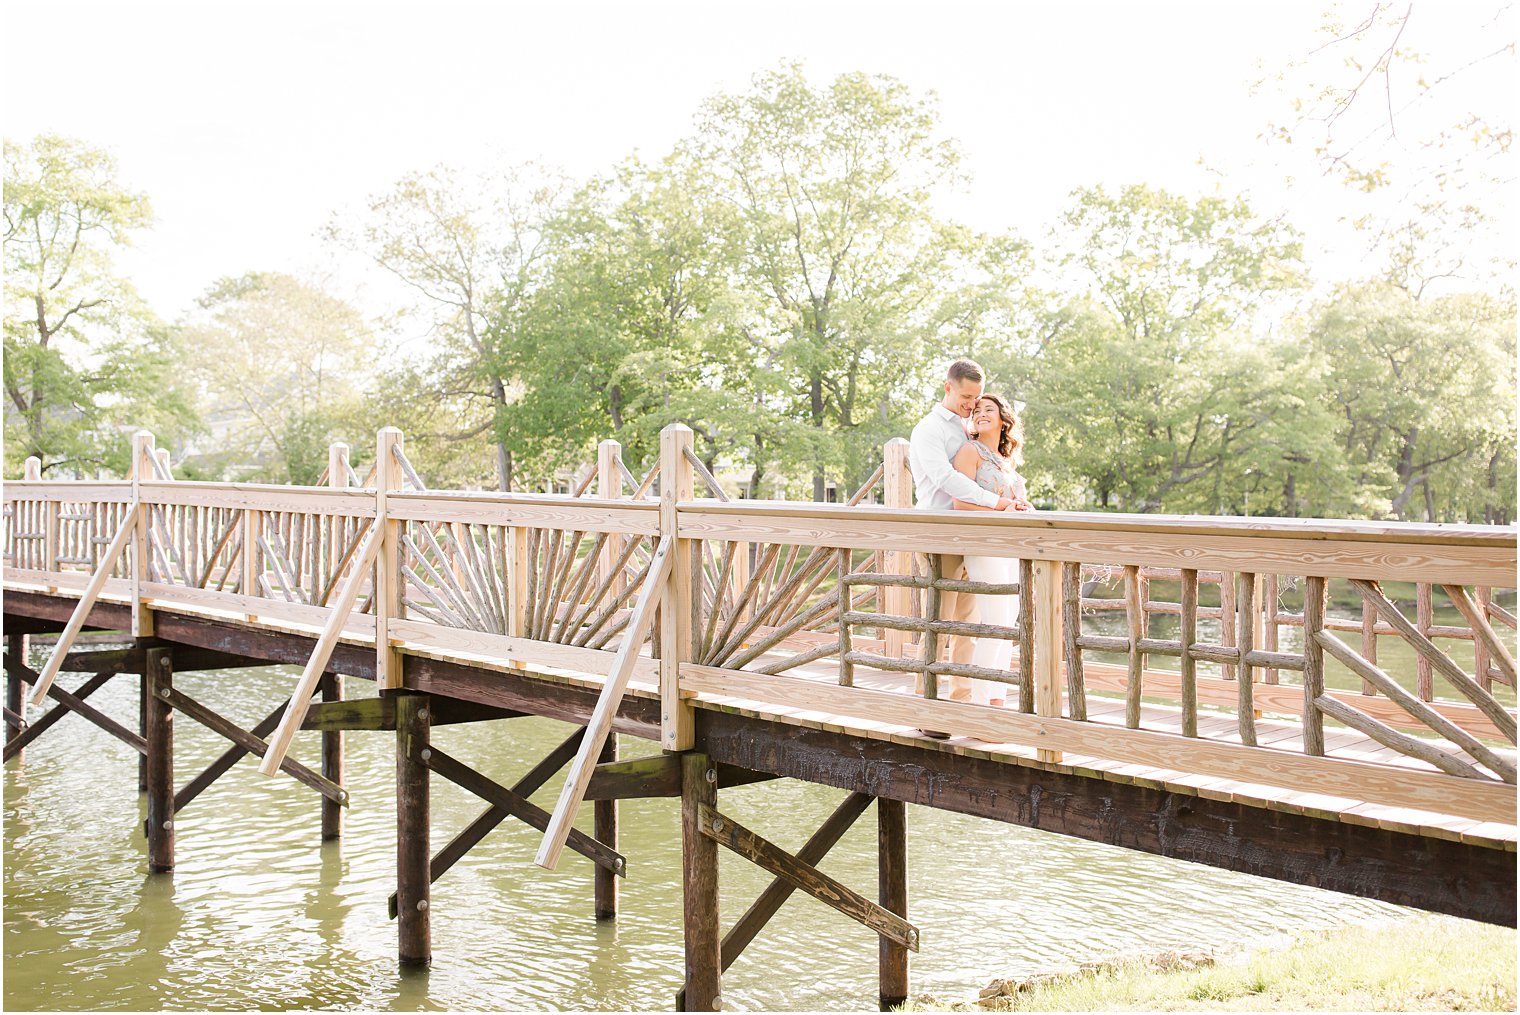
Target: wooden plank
[1355,780]
[1344,550]
[73,491]
[162,596]
[568,514]
[1047,600]
[606,707]
[352,503]
[767,856]
[415,635]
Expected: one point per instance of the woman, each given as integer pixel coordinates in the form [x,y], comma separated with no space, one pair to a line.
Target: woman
[991,458]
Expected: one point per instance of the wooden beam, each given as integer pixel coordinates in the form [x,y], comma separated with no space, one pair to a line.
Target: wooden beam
[254,745]
[604,890]
[79,706]
[518,806]
[352,714]
[606,707]
[766,855]
[1465,879]
[478,829]
[414,931]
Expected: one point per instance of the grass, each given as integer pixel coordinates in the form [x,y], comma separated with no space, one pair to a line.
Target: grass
[1425,963]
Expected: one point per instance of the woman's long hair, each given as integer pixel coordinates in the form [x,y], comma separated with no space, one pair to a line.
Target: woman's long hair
[1010,443]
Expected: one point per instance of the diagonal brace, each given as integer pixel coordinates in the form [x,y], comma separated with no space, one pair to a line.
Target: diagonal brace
[518,806]
[482,826]
[77,704]
[36,729]
[214,771]
[810,879]
[246,740]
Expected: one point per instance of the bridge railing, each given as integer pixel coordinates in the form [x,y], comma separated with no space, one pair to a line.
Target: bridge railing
[1178,644]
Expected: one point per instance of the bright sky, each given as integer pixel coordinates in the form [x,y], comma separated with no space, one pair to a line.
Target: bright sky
[250,123]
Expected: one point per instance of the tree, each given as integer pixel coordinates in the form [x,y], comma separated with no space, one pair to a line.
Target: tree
[474,252]
[1138,388]
[280,364]
[1425,394]
[86,363]
[841,254]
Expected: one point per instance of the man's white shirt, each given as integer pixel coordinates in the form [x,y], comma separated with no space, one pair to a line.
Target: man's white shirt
[935,441]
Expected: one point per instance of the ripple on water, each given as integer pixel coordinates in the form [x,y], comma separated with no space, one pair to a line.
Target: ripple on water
[260,914]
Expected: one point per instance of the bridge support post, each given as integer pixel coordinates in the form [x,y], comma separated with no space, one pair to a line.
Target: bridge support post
[892,881]
[15,688]
[606,832]
[332,760]
[413,845]
[897,492]
[699,887]
[158,731]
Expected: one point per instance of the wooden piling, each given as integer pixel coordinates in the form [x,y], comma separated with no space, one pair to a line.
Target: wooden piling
[16,688]
[605,830]
[699,887]
[159,733]
[892,882]
[332,759]
[413,847]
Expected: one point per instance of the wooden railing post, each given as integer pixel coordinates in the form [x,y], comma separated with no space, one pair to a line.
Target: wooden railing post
[389,477]
[609,486]
[141,550]
[1048,672]
[897,492]
[24,522]
[677,727]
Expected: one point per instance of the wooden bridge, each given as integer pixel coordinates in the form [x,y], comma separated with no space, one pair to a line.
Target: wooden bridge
[759,640]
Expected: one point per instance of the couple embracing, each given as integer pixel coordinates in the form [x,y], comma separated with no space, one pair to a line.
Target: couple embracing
[964,455]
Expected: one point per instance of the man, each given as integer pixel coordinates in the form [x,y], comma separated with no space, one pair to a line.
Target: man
[936,439]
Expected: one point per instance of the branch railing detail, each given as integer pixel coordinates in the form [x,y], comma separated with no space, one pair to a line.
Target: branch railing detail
[1250,650]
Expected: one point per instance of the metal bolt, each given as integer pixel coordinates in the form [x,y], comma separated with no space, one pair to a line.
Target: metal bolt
[913,937]
[422,713]
[717,824]
[163,692]
[427,754]
[665,716]
[717,1004]
[712,775]
[422,905]
[617,864]
[168,826]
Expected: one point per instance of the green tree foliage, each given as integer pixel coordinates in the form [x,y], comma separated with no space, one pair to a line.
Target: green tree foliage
[279,367]
[1145,390]
[1424,395]
[86,363]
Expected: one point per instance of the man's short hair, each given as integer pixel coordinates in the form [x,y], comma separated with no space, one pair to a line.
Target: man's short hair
[965,370]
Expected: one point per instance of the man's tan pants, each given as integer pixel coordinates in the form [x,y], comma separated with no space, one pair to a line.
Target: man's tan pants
[955,648]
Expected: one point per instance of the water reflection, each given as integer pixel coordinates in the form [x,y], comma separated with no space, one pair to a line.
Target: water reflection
[261,914]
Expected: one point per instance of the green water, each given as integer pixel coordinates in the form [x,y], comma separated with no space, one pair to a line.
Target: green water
[260,914]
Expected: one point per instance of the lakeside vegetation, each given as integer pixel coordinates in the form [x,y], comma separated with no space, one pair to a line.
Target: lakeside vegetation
[782,281]
[1424,963]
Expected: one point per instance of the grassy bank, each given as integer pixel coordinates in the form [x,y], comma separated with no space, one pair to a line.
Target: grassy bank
[1427,963]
